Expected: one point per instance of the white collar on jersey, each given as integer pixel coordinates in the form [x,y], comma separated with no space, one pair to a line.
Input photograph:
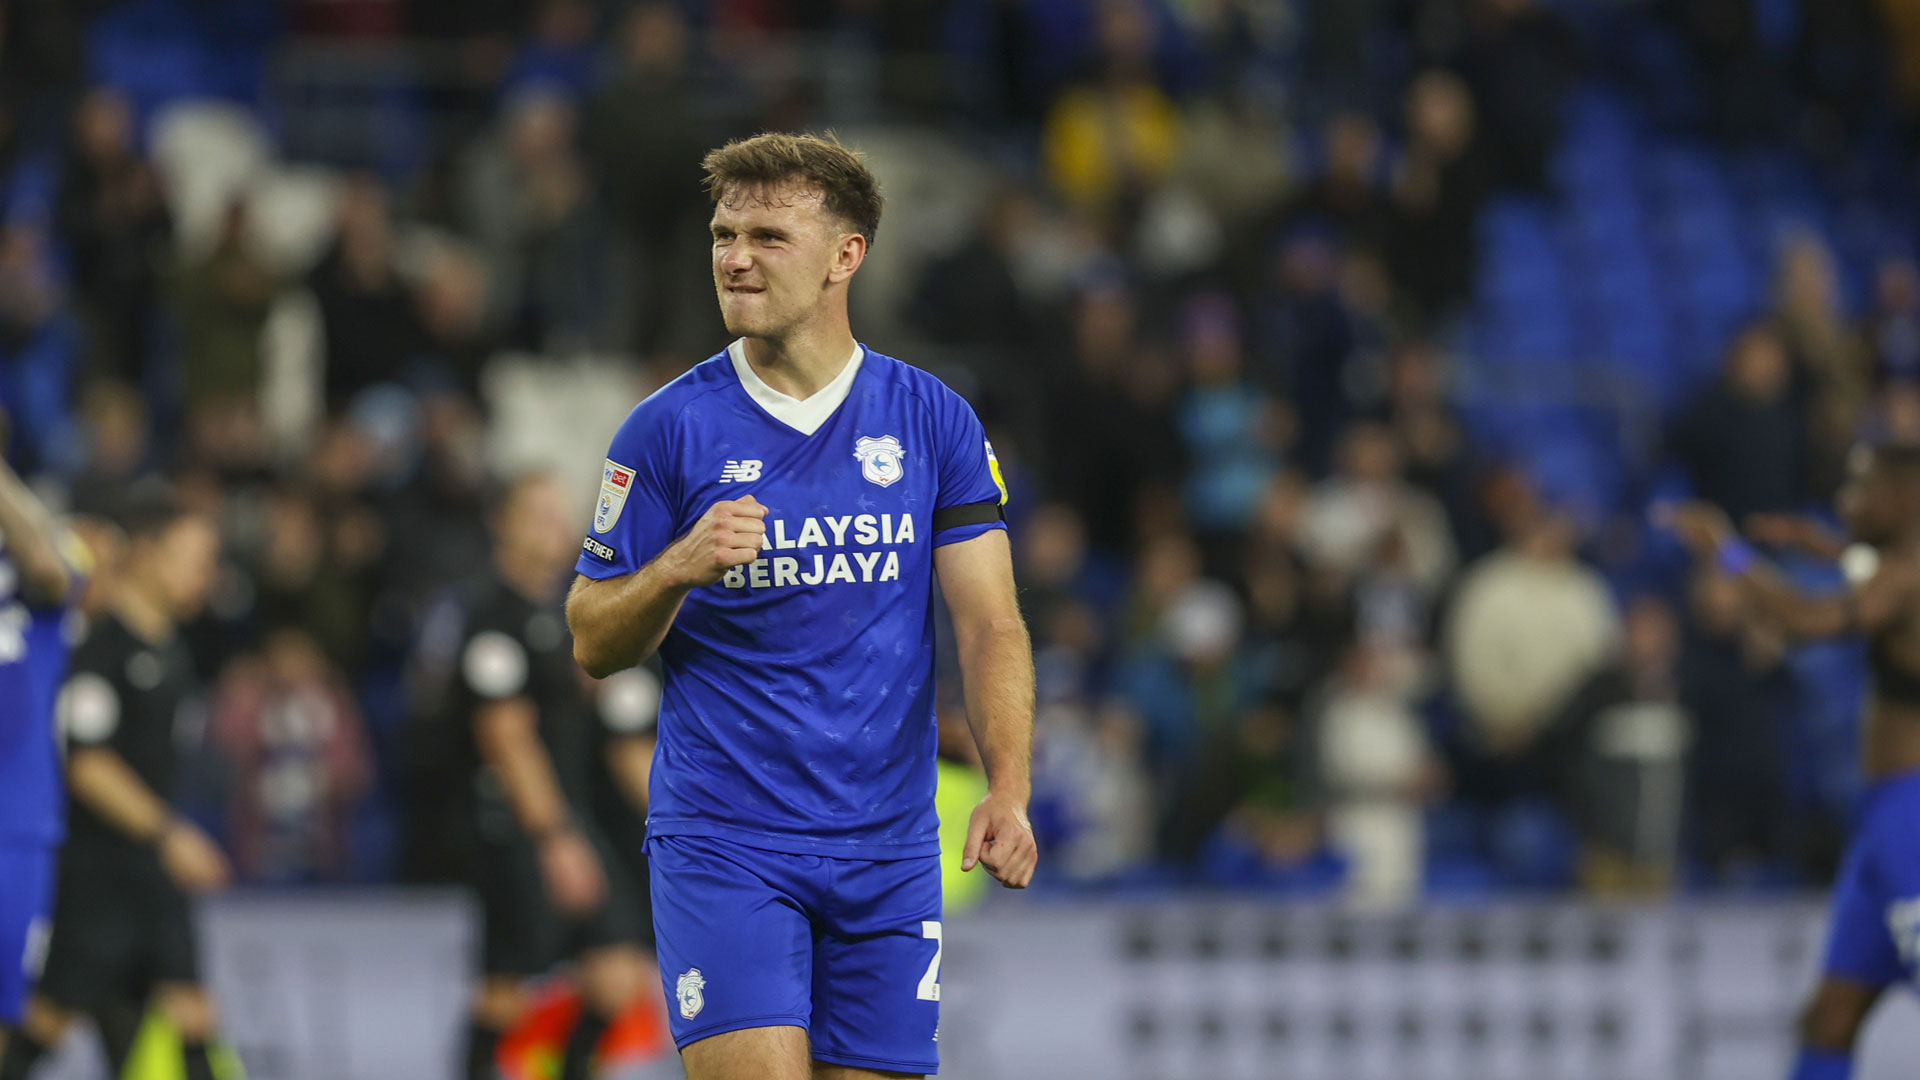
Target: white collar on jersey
[804,415]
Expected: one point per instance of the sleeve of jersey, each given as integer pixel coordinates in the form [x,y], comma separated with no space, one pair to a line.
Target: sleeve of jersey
[87,709]
[972,496]
[493,662]
[632,510]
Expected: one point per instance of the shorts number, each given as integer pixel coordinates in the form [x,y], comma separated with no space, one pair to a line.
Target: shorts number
[930,982]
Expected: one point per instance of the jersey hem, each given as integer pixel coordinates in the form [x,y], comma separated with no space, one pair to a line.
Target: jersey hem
[681,1042]
[856,1061]
[786,844]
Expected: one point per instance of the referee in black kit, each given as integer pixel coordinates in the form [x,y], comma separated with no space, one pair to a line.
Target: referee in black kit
[123,921]
[528,736]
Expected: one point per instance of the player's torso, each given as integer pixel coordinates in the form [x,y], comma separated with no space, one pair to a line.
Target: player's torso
[848,516]
[799,686]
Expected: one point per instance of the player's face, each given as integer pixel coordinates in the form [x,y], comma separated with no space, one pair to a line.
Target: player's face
[187,557]
[773,253]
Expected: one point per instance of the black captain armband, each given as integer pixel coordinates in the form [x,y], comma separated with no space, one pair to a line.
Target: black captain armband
[980,513]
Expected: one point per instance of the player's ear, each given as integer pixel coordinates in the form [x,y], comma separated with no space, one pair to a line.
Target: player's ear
[847,257]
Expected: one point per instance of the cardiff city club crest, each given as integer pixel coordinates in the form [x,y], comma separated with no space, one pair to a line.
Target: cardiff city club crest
[880,459]
[688,991]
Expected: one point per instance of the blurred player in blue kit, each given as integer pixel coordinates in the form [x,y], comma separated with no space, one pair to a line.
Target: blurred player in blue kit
[1874,941]
[772,524]
[38,578]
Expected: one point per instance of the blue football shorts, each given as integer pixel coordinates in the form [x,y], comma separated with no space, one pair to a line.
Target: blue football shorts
[847,949]
[26,891]
[1876,902]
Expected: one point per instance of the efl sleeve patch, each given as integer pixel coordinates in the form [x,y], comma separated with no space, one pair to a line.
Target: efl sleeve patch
[616,483]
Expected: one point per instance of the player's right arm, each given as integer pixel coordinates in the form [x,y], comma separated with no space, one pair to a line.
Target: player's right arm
[618,622]
[1868,606]
[33,541]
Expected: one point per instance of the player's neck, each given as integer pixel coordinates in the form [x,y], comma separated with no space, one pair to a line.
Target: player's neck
[137,605]
[800,364]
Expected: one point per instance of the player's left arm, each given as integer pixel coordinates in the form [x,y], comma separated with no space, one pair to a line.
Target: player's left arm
[33,540]
[996,664]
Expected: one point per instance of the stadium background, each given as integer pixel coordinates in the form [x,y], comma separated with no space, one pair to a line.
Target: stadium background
[1335,351]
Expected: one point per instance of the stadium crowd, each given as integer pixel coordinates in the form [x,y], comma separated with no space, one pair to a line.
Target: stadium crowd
[1208,272]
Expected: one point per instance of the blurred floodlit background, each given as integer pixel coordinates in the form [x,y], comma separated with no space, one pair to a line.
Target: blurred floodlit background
[1334,351]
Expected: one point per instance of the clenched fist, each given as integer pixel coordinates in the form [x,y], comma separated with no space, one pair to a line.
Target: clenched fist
[729,534]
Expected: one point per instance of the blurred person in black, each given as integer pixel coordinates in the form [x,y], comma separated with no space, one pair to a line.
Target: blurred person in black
[366,310]
[1735,684]
[1742,440]
[1432,247]
[123,920]
[1875,941]
[1614,757]
[113,217]
[524,730]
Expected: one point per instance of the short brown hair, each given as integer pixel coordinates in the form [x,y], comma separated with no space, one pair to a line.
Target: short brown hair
[847,186]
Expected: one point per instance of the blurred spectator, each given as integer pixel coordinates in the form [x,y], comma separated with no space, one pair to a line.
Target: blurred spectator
[1102,447]
[528,202]
[114,421]
[451,299]
[311,570]
[1378,772]
[39,344]
[1894,326]
[1433,443]
[1235,431]
[1741,440]
[1305,338]
[366,309]
[1830,367]
[1529,624]
[1108,143]
[1346,196]
[1520,58]
[969,296]
[1441,181]
[645,135]
[223,304]
[286,724]
[559,51]
[117,230]
[1616,756]
[1367,505]
[1735,683]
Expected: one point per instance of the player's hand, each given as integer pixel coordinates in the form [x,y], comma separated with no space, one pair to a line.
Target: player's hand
[729,534]
[1000,838]
[192,859]
[572,870]
[1701,526]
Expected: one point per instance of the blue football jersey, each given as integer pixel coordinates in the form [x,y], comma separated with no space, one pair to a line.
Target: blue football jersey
[33,660]
[797,713]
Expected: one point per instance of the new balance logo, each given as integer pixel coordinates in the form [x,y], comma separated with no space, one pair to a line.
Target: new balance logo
[740,472]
